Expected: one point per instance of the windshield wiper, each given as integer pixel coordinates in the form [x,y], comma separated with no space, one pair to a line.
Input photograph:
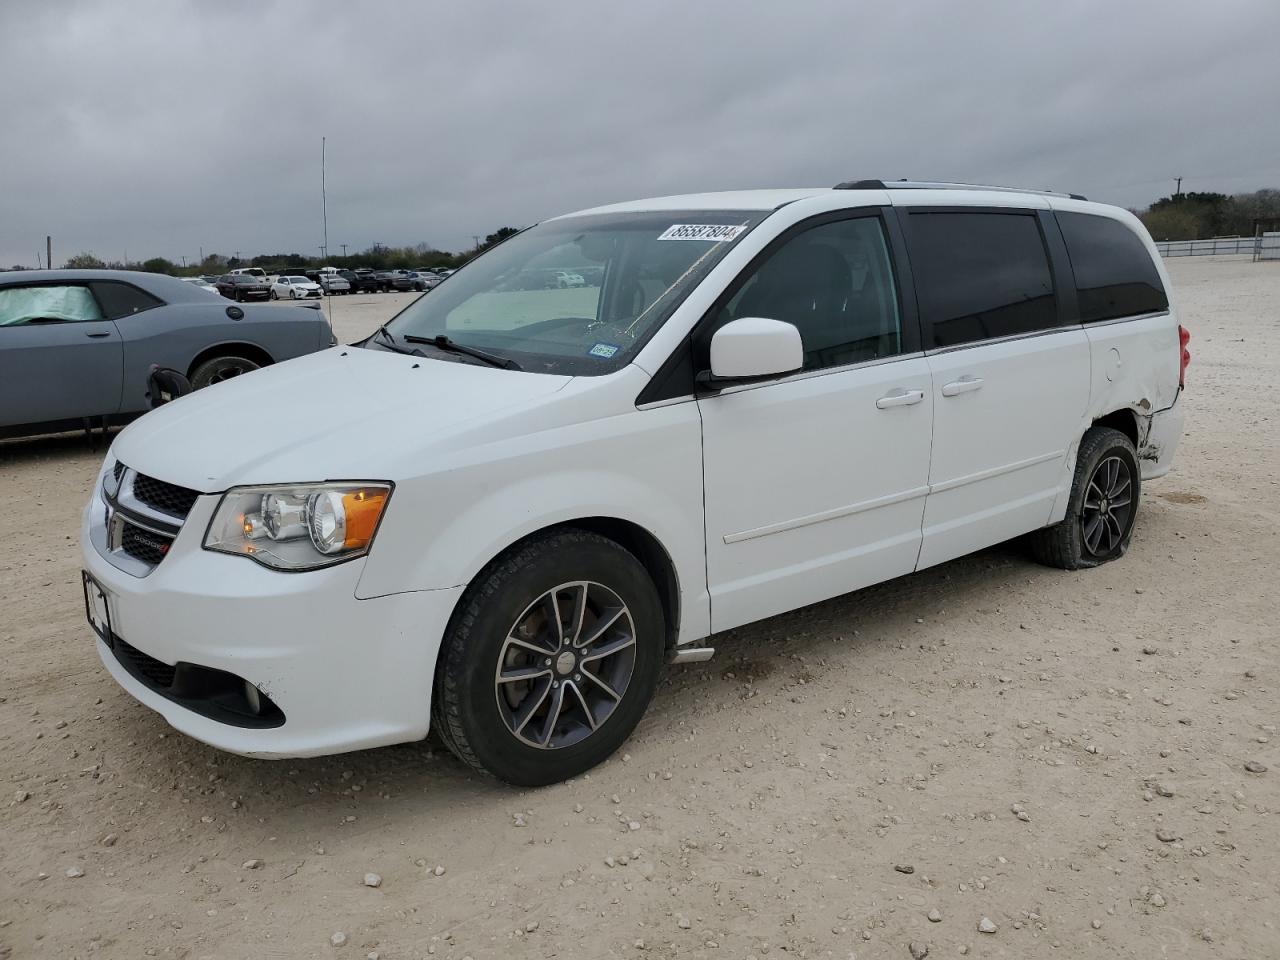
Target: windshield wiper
[391,342]
[440,341]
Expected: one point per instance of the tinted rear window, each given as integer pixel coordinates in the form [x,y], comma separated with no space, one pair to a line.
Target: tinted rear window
[980,276]
[122,299]
[1115,276]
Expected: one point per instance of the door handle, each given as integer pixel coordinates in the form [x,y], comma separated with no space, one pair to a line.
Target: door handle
[899,398]
[95,336]
[963,385]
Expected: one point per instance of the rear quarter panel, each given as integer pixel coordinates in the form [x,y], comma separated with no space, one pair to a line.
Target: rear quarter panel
[1134,361]
[175,334]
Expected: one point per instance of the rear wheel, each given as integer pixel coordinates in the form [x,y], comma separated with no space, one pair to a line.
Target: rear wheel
[218,369]
[550,660]
[1103,507]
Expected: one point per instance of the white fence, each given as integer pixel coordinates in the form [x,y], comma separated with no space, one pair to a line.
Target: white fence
[1265,247]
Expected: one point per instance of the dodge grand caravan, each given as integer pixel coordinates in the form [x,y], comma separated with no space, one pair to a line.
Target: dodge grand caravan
[500,513]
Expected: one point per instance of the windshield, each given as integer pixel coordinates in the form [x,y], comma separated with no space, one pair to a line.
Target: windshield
[577,296]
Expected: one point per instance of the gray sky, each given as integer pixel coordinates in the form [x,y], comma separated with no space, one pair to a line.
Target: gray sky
[162,127]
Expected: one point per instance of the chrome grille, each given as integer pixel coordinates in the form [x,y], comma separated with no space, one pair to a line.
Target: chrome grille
[166,497]
[142,517]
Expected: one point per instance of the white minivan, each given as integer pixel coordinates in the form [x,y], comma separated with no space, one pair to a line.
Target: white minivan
[503,511]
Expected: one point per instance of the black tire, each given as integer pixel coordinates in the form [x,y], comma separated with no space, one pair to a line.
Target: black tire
[1095,530]
[467,710]
[273,295]
[218,369]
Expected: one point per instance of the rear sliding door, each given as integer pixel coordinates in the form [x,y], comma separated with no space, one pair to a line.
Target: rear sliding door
[1009,371]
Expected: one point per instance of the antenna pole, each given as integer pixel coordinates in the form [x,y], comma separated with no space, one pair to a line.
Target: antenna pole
[324,200]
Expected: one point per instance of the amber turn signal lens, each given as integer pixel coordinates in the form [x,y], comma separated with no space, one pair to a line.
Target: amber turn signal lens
[362,509]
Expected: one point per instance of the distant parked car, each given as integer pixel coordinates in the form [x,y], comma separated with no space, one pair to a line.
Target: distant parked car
[243,286]
[202,283]
[423,280]
[362,281]
[334,283]
[250,272]
[563,278]
[78,344]
[295,288]
[389,280]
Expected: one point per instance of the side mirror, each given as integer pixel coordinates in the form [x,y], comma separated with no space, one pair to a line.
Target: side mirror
[753,347]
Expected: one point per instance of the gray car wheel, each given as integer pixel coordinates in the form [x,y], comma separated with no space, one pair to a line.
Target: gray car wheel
[218,369]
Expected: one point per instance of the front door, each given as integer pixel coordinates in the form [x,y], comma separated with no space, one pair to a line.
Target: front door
[62,359]
[815,483]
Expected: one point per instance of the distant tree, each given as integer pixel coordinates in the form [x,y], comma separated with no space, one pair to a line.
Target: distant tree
[158,265]
[499,235]
[1172,223]
[85,261]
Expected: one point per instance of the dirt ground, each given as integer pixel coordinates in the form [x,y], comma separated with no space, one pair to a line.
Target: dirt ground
[1062,754]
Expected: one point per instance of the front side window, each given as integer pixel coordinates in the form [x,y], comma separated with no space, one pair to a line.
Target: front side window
[834,282]
[68,303]
[578,296]
[1115,276]
[980,276]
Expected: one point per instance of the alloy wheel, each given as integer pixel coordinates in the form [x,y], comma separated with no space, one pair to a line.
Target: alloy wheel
[1108,506]
[565,665]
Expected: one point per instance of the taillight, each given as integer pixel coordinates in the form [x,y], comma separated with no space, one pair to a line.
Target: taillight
[1184,355]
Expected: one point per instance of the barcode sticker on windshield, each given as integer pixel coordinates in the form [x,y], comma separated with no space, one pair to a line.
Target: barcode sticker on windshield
[715,232]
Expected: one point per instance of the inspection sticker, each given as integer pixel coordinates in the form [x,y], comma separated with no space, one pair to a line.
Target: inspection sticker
[715,232]
[603,350]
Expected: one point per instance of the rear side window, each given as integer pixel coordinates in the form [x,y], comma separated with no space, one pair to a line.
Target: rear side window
[980,276]
[123,299]
[1115,276]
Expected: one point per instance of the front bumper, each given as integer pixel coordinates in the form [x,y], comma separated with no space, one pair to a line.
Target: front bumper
[1155,453]
[347,674]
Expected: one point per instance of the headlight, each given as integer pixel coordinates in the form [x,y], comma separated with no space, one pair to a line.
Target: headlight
[298,527]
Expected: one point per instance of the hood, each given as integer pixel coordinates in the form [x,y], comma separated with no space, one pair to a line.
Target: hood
[343,413]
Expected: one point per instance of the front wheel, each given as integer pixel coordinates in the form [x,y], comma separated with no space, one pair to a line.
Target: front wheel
[274,295]
[1103,507]
[550,659]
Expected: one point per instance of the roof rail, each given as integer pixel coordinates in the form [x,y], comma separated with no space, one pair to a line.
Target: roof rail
[943,185]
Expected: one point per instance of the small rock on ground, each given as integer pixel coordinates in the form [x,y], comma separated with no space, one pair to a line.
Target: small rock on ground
[985,925]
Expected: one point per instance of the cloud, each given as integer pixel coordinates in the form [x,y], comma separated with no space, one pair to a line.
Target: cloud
[162,128]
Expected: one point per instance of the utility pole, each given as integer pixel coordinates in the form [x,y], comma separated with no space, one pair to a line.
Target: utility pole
[476,238]
[344,251]
[48,251]
[1178,191]
[202,254]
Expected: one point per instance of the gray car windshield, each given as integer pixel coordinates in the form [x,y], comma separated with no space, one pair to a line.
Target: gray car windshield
[577,296]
